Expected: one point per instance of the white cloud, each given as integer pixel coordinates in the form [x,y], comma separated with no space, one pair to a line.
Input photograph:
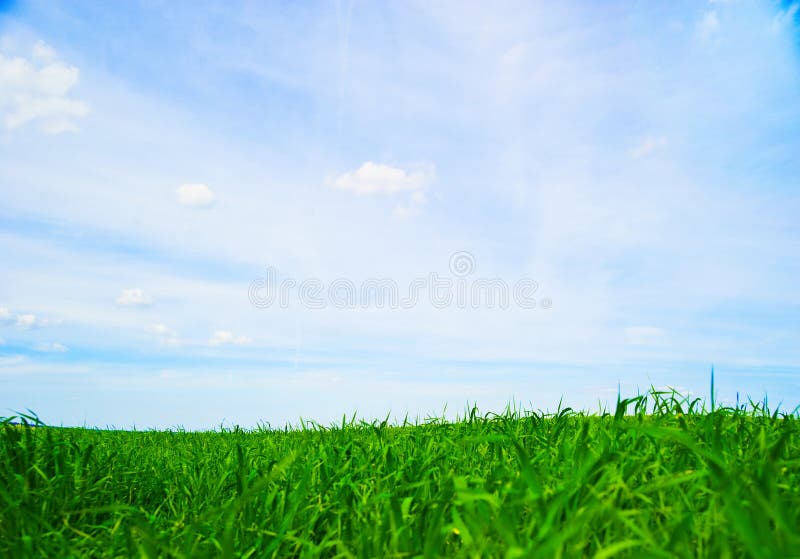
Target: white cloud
[223,337]
[25,321]
[414,207]
[647,146]
[376,178]
[2,342]
[643,335]
[134,298]
[43,53]
[52,347]
[171,342]
[161,330]
[417,199]
[28,321]
[195,196]
[167,336]
[708,26]
[403,212]
[37,90]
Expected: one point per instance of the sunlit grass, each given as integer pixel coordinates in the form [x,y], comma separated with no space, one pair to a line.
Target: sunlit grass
[659,476]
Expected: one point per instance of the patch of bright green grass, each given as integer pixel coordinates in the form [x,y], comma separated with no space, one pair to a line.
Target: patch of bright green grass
[660,477]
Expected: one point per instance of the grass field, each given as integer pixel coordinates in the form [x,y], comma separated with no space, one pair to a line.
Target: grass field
[660,476]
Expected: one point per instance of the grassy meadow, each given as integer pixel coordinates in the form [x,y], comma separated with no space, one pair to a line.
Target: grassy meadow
[659,476]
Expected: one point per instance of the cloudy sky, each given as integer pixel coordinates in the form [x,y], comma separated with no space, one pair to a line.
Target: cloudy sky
[637,160]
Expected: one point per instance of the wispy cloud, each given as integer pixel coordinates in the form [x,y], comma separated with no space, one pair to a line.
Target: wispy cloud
[647,146]
[413,207]
[166,336]
[196,196]
[52,347]
[11,360]
[785,19]
[134,297]
[29,321]
[377,178]
[161,330]
[25,320]
[708,26]
[224,337]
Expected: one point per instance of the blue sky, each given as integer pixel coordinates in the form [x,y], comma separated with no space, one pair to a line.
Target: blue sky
[637,160]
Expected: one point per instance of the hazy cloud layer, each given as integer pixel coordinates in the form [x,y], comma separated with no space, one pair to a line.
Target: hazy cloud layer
[644,176]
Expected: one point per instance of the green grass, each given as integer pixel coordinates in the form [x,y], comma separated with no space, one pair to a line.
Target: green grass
[660,477]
